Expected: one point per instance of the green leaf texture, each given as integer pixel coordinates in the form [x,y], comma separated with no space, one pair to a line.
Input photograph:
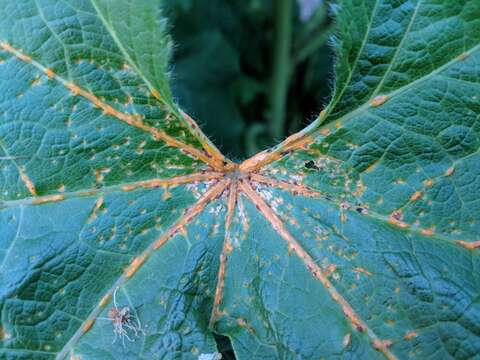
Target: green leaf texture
[357,238]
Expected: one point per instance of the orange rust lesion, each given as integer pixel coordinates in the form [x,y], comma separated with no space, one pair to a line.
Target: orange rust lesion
[47,199]
[178,180]
[416,195]
[87,325]
[379,100]
[325,131]
[242,323]
[330,270]
[28,183]
[50,73]
[156,94]
[98,205]
[428,231]
[296,189]
[294,142]
[469,245]
[381,345]
[371,167]
[105,300]
[135,265]
[74,89]
[395,219]
[362,271]
[449,171]
[428,183]
[410,335]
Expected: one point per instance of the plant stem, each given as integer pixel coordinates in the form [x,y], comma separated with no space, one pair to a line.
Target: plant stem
[281,66]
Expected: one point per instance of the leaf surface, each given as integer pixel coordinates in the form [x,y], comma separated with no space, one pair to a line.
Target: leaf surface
[355,238]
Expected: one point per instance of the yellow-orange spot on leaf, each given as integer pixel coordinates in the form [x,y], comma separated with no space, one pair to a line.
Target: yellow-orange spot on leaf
[410,335]
[25,58]
[469,245]
[88,325]
[462,56]
[322,113]
[166,195]
[398,223]
[135,265]
[74,89]
[325,131]
[338,124]
[379,100]
[416,195]
[47,199]
[129,187]
[98,205]
[6,46]
[363,271]
[182,230]
[330,269]
[429,231]
[395,219]
[35,81]
[371,167]
[449,171]
[381,344]
[155,94]
[105,300]
[28,183]
[49,73]
[428,183]
[242,323]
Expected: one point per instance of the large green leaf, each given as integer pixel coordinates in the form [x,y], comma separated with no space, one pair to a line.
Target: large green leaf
[355,238]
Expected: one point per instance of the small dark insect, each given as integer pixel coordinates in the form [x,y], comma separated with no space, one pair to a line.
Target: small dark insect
[125,323]
[311,165]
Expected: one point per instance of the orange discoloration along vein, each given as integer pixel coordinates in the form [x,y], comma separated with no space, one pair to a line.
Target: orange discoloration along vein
[362,270]
[469,245]
[315,269]
[146,184]
[131,119]
[213,193]
[48,199]
[294,188]
[227,248]
[263,158]
[208,146]
[178,180]
[28,183]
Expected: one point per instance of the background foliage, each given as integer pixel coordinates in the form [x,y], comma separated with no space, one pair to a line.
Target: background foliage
[222,68]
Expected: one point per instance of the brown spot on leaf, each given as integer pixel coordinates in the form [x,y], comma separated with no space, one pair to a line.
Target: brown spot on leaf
[379,100]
